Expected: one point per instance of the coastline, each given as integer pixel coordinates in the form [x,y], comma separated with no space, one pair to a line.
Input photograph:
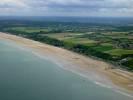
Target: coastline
[95,70]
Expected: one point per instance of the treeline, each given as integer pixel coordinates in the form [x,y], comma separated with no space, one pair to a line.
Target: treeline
[79,48]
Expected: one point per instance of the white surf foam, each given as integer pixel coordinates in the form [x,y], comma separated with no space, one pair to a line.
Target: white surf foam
[123,93]
[102,85]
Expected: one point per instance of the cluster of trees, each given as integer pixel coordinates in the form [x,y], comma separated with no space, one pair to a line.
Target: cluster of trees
[124,43]
[128,64]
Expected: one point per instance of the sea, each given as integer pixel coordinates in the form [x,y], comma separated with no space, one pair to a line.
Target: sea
[26,76]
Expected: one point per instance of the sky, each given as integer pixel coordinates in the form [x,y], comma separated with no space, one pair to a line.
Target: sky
[111,8]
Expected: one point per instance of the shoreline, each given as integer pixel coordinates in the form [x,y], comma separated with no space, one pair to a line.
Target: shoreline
[95,70]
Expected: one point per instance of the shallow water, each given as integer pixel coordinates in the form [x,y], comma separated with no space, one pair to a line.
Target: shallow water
[25,76]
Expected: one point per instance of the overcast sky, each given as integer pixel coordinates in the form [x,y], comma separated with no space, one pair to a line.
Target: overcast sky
[66,7]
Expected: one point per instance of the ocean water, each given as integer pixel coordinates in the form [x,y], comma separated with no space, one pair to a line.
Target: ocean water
[25,76]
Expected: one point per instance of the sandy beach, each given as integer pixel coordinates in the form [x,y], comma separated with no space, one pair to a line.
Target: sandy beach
[98,71]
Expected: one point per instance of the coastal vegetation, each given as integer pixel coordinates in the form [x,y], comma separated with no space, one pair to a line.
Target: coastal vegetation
[111,43]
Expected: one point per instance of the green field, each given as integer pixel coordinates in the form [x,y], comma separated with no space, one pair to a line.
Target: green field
[120,52]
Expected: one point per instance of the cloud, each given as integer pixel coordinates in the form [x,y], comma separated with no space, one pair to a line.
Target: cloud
[12,4]
[67,7]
